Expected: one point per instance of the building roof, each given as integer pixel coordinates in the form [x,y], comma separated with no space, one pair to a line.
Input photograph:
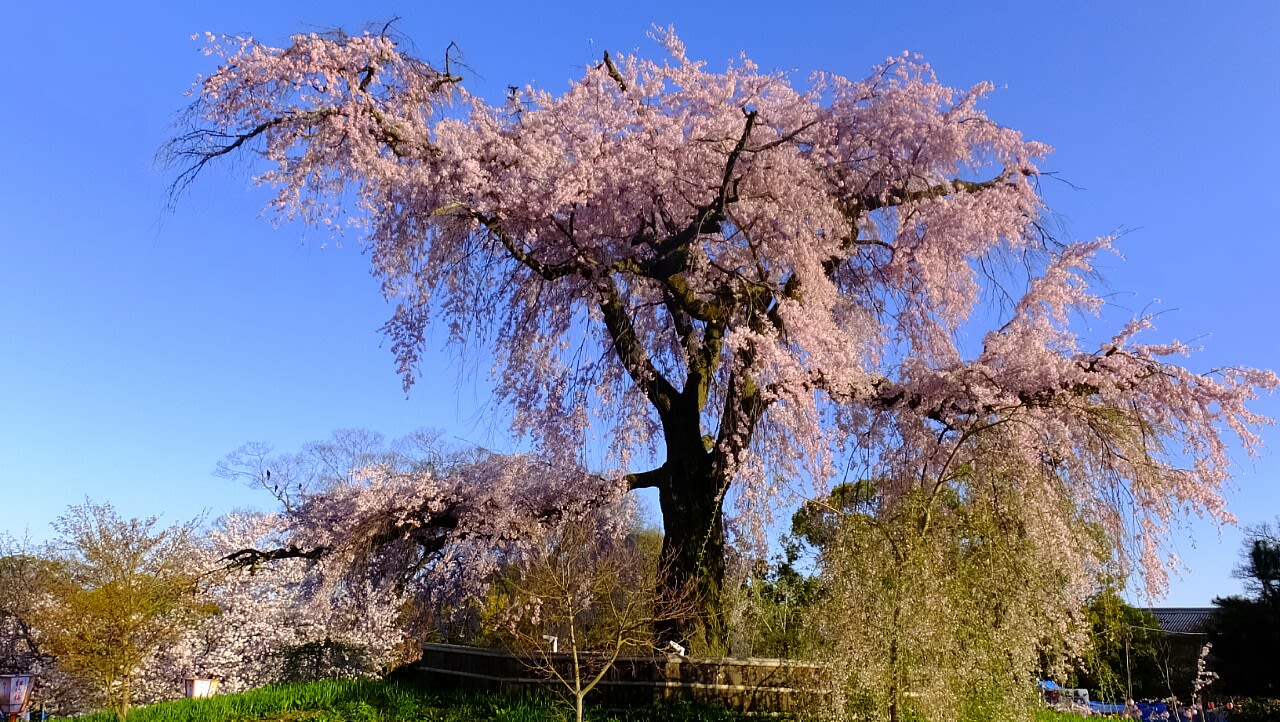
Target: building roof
[1183,620]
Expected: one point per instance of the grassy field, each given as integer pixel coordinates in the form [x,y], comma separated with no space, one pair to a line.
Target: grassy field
[380,701]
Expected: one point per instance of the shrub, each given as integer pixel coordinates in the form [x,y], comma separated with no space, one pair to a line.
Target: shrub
[328,659]
[1256,709]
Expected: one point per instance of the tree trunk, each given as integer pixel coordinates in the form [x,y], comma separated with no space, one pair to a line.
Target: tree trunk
[692,559]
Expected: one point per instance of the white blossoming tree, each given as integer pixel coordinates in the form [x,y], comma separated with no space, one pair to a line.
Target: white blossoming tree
[272,611]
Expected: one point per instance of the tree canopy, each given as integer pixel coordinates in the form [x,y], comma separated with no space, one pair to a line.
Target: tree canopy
[745,278]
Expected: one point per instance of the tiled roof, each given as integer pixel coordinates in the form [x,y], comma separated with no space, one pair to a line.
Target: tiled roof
[1183,620]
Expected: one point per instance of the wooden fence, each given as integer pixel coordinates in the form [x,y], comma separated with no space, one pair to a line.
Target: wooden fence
[760,686]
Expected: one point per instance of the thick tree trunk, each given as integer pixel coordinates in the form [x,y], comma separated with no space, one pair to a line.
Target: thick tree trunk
[692,561]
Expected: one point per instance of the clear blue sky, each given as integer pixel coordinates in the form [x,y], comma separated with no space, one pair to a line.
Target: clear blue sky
[137,348]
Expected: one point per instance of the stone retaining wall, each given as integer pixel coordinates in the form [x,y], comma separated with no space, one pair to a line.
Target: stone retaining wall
[761,686]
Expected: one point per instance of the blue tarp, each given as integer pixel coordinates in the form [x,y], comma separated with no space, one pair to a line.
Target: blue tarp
[1152,711]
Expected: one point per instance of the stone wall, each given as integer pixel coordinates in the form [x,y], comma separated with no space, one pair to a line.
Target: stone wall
[762,686]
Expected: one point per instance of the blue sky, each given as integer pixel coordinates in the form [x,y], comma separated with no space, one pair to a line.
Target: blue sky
[137,347]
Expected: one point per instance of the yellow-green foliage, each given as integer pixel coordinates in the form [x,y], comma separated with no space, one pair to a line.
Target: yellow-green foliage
[122,589]
[938,607]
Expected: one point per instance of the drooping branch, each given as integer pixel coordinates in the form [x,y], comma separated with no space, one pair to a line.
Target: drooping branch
[195,149]
[493,224]
[631,352]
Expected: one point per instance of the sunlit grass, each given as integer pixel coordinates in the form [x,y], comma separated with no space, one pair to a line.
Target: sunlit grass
[1048,715]
[380,701]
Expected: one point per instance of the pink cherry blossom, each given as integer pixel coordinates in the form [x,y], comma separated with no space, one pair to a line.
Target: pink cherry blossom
[747,278]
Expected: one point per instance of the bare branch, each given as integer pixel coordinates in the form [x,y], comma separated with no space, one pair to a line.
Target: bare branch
[613,72]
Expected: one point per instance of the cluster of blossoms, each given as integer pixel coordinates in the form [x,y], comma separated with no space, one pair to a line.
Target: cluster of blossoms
[266,614]
[444,535]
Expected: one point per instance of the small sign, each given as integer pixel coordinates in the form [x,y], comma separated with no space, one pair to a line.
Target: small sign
[201,687]
[14,691]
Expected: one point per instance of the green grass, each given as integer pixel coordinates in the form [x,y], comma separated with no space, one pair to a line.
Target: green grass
[1048,715]
[381,701]
[385,701]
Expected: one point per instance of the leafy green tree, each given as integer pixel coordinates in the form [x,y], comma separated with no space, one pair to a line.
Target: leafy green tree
[772,612]
[1246,629]
[1122,659]
[1260,563]
[938,603]
[124,589]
